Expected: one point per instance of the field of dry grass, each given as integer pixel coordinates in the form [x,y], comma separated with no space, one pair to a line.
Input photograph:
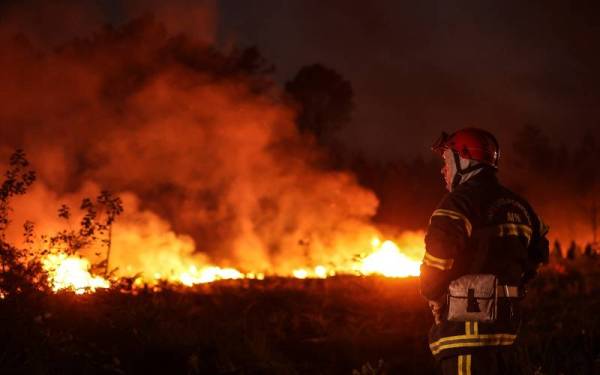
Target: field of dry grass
[370,325]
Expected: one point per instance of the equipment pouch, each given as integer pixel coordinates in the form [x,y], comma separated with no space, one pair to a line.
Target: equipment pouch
[473,297]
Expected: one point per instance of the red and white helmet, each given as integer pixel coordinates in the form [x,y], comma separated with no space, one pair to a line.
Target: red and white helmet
[466,152]
[471,143]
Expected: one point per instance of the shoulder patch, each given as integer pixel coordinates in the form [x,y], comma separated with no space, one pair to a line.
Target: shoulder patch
[507,210]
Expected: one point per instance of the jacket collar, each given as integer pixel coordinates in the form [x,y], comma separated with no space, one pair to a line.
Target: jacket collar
[487,174]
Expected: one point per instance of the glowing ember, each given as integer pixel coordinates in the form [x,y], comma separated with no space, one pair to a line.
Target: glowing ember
[300,273]
[255,276]
[319,272]
[208,274]
[72,273]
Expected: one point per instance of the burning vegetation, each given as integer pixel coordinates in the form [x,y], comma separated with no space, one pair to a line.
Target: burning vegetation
[74,272]
[65,256]
[212,178]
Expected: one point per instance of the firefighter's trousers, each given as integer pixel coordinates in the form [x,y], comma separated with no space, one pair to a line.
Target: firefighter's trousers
[484,361]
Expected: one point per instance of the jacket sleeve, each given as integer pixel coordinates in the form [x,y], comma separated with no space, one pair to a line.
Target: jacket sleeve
[538,251]
[447,235]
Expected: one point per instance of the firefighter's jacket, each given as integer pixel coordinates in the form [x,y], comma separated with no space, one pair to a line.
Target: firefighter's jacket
[480,227]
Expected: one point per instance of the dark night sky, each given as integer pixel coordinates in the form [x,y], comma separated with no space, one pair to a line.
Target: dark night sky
[420,67]
[417,67]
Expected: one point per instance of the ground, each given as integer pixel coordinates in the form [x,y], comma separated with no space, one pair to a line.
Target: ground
[341,325]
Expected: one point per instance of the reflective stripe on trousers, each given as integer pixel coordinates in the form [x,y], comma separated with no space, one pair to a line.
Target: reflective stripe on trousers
[499,360]
[459,365]
[464,364]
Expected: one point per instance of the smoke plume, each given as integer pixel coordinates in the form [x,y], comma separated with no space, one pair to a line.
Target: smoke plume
[203,152]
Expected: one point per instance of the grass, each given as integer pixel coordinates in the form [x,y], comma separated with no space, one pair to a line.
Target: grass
[370,325]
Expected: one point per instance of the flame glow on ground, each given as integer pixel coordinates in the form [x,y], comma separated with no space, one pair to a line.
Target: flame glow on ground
[386,258]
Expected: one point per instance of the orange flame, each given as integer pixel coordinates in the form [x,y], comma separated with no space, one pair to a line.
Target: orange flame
[208,274]
[72,273]
[386,258]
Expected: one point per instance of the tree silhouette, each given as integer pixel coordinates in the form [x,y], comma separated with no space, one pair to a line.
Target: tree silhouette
[326,100]
[17,269]
[532,150]
[572,251]
[556,250]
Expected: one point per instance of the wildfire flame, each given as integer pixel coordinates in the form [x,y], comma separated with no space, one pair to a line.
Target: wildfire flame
[207,275]
[386,258]
[72,273]
[216,164]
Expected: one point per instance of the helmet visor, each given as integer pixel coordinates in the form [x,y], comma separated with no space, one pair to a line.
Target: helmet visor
[441,143]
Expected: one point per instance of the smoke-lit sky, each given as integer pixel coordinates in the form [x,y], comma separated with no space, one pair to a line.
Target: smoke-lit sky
[420,66]
[203,161]
[416,66]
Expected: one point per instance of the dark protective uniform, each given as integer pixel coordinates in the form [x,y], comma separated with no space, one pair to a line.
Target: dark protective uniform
[481,227]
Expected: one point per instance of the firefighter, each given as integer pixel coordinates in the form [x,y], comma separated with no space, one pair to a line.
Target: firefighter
[483,244]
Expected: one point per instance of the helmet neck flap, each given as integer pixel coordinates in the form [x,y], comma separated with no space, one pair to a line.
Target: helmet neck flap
[461,169]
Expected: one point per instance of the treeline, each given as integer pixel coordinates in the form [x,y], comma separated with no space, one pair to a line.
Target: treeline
[562,183]
[563,180]
[560,179]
